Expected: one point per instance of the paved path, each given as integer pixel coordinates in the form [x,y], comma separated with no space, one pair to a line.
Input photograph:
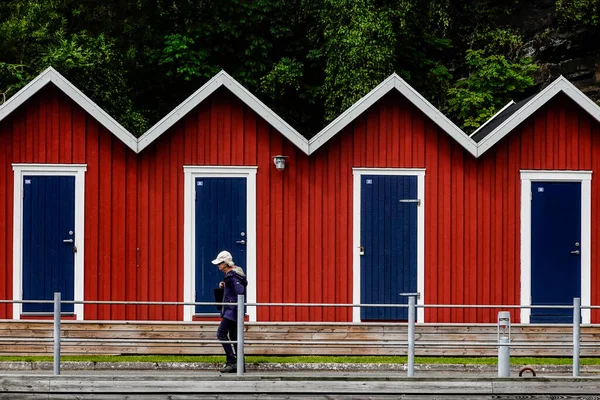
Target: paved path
[179,385]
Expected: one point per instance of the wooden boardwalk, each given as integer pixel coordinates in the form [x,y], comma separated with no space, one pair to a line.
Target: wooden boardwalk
[198,338]
[289,387]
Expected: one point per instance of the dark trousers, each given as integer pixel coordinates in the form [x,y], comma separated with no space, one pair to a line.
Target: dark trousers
[228,331]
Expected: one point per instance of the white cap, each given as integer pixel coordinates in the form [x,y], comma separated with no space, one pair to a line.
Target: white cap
[225,257]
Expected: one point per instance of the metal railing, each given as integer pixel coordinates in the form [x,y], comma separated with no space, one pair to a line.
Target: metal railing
[410,343]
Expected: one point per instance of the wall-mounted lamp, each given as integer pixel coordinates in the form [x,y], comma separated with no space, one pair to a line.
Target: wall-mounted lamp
[279,162]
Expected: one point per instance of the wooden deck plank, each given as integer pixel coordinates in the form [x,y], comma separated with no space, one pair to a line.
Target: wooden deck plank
[27,337]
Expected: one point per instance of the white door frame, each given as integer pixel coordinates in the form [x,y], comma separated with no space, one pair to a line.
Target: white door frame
[420,174]
[76,170]
[583,177]
[189,226]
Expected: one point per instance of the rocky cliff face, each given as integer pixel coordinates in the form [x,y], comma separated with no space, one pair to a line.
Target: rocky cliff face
[575,55]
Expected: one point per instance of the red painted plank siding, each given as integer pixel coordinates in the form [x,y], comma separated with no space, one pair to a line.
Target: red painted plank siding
[92,207]
[304,214]
[6,220]
[50,128]
[472,232]
[143,222]
[595,227]
[131,260]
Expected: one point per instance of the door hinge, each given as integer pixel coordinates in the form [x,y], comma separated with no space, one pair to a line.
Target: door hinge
[418,201]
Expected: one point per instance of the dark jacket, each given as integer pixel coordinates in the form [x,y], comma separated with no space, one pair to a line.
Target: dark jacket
[235,284]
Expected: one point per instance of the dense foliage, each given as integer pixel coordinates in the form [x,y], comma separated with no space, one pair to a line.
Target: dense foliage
[573,14]
[309,60]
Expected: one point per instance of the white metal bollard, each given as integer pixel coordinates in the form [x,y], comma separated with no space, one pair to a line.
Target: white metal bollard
[503,344]
[504,357]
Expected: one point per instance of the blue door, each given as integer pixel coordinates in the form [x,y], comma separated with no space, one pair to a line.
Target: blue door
[388,232]
[48,241]
[220,225]
[555,249]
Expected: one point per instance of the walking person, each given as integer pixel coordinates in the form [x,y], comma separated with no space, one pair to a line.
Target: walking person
[234,284]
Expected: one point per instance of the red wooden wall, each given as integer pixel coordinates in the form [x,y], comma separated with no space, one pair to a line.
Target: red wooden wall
[223,131]
[472,206]
[134,203]
[50,128]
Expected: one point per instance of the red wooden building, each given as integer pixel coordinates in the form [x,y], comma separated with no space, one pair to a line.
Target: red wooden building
[390,197]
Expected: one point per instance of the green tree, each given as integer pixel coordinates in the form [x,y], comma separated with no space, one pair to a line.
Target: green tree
[491,82]
[358,51]
[308,60]
[577,14]
[36,34]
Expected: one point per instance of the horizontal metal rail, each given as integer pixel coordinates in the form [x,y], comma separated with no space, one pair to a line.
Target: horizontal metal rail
[340,305]
[325,342]
[397,342]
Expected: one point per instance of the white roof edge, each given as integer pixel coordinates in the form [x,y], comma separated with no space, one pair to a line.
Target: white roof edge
[510,103]
[223,79]
[180,111]
[51,75]
[345,118]
[265,112]
[580,98]
[309,147]
[436,116]
[25,93]
[393,81]
[560,84]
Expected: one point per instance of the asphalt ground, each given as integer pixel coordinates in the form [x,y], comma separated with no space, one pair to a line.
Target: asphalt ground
[295,385]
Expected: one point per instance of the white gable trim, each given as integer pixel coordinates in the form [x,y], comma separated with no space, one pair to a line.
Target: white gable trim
[308,147]
[584,177]
[559,85]
[51,75]
[189,231]
[78,171]
[393,81]
[350,114]
[510,103]
[435,115]
[420,174]
[223,79]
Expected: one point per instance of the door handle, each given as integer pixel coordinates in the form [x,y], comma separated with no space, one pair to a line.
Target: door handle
[241,241]
[68,241]
[575,252]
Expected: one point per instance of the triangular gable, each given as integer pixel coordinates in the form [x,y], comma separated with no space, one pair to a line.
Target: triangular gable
[51,75]
[561,84]
[392,82]
[223,79]
[488,134]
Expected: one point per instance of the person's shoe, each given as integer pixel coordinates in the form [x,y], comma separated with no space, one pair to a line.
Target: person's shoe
[233,369]
[228,368]
[236,368]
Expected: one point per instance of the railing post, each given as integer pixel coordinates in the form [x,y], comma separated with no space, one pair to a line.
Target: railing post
[411,336]
[240,335]
[57,333]
[412,300]
[576,334]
